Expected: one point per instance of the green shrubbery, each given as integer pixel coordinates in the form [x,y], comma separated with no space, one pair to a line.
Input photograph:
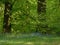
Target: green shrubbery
[24,18]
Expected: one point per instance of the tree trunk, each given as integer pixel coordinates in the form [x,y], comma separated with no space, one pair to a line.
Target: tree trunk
[41,10]
[7,17]
[41,6]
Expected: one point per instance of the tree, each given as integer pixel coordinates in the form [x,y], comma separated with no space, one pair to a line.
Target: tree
[41,10]
[41,6]
[7,16]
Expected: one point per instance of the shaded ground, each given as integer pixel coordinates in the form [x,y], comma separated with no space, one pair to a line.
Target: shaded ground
[28,39]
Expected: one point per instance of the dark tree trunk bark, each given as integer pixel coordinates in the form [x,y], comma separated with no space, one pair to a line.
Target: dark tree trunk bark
[7,17]
[41,10]
[41,6]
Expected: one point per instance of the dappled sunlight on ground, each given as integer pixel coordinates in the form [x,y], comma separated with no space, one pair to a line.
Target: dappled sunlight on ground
[28,39]
[29,43]
[16,42]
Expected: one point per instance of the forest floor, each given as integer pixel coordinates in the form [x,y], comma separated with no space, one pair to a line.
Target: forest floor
[28,39]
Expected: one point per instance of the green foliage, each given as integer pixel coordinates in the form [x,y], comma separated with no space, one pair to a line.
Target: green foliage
[24,18]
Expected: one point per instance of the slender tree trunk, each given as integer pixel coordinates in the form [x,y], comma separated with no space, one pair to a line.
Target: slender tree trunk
[41,10]
[27,11]
[7,17]
[41,6]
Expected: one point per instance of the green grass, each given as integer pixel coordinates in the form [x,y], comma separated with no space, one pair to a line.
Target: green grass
[28,39]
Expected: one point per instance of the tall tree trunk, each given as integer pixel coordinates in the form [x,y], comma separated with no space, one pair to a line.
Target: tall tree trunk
[41,10]
[27,11]
[41,6]
[7,17]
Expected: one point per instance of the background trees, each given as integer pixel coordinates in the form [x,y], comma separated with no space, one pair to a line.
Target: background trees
[28,16]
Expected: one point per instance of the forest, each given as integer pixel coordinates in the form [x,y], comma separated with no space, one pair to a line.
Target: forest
[29,18]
